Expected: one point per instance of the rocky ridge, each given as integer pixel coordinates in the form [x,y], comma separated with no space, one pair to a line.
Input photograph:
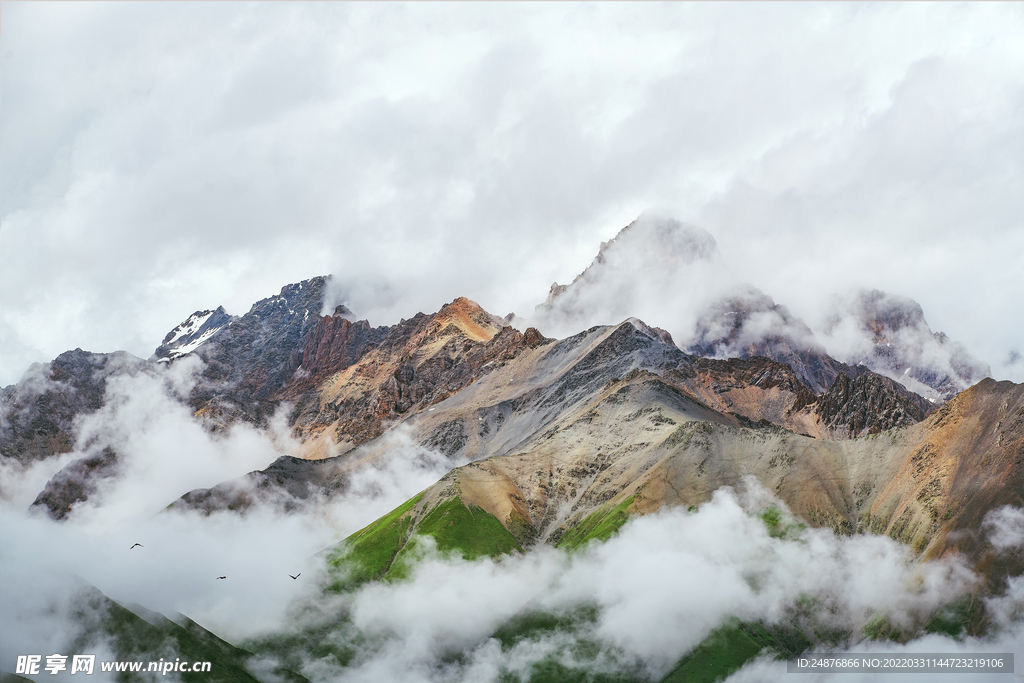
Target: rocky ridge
[247,362]
[722,317]
[37,415]
[464,382]
[508,392]
[638,447]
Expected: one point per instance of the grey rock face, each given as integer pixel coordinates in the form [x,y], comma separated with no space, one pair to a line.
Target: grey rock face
[75,482]
[37,415]
[249,360]
[869,404]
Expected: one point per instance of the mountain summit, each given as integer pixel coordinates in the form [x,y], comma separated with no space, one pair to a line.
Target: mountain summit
[635,274]
[664,271]
[888,333]
[195,331]
[500,441]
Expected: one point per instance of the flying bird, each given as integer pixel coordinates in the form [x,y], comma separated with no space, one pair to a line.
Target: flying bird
[296,576]
[138,544]
[222,577]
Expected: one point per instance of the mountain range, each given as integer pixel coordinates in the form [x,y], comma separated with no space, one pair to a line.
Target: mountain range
[558,433]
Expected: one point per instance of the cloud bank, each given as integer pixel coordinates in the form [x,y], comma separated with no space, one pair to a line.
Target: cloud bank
[160,159]
[47,567]
[644,598]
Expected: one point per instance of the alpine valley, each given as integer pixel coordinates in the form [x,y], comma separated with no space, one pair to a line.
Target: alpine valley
[660,474]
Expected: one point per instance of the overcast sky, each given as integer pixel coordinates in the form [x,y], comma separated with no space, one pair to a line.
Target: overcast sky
[159,158]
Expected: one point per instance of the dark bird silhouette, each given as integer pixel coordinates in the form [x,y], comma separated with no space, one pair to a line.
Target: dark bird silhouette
[138,544]
[296,576]
[222,577]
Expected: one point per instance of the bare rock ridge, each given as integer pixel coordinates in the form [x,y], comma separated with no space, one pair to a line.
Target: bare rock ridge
[928,485]
[246,362]
[334,344]
[495,398]
[37,415]
[354,380]
[869,404]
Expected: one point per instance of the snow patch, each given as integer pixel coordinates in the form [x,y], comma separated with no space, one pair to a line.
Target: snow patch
[190,326]
[192,345]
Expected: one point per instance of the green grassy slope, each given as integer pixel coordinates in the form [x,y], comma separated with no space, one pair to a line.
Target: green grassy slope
[388,548]
[600,525]
[385,549]
[729,647]
[152,637]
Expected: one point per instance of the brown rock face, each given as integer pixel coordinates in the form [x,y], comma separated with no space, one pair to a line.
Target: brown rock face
[533,338]
[757,371]
[930,485]
[968,459]
[354,381]
[333,345]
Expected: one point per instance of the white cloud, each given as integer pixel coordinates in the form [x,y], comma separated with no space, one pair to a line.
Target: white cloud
[661,586]
[1005,527]
[163,453]
[160,159]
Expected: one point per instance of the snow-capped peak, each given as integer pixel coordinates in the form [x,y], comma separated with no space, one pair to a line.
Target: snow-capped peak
[195,331]
[189,327]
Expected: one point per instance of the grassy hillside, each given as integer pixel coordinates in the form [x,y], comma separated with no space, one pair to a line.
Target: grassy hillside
[384,549]
[542,646]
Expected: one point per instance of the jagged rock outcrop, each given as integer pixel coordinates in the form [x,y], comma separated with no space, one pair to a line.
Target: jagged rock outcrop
[37,415]
[868,404]
[381,376]
[334,344]
[75,482]
[249,361]
[728,384]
